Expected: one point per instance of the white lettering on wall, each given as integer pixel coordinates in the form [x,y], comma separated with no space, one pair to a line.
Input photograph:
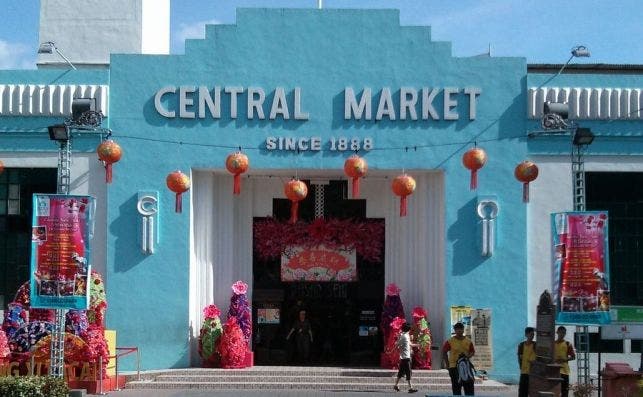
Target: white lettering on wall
[233,91]
[214,105]
[408,99]
[299,115]
[473,92]
[202,102]
[279,105]
[255,104]
[157,101]
[314,143]
[408,103]
[355,110]
[450,102]
[385,107]
[185,101]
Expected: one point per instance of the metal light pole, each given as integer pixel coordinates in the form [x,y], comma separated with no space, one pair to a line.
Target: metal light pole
[581,139]
[57,356]
[88,120]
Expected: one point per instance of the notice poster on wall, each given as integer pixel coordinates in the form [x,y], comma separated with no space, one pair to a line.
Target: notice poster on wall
[581,268]
[318,263]
[461,314]
[481,337]
[60,252]
[268,315]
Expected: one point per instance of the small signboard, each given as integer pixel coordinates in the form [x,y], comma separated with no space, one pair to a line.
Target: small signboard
[268,316]
[627,314]
[622,331]
[318,263]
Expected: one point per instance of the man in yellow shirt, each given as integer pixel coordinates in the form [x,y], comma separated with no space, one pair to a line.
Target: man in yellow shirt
[563,353]
[452,349]
[526,355]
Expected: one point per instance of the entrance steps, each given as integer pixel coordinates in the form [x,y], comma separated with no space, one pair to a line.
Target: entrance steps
[294,378]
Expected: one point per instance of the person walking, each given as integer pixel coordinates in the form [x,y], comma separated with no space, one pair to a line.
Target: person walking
[563,354]
[526,355]
[404,346]
[303,337]
[451,350]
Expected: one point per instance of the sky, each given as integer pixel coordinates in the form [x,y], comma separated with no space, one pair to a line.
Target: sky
[542,31]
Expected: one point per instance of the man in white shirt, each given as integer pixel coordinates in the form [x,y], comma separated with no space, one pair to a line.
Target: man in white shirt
[404,345]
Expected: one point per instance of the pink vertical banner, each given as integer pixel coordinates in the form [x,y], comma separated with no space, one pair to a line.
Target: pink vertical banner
[60,252]
[581,267]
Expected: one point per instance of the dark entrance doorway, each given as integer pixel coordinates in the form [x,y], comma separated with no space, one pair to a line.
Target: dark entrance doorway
[343,316]
[17,185]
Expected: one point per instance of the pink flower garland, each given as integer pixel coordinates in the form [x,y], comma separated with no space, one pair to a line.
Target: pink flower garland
[272,237]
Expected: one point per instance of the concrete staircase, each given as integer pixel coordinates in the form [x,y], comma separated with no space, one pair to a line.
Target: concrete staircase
[293,378]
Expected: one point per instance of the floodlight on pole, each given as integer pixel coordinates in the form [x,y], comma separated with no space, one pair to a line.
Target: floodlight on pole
[580,51]
[49,47]
[583,137]
[59,132]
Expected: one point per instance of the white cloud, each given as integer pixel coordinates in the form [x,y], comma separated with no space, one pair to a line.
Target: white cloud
[16,56]
[194,30]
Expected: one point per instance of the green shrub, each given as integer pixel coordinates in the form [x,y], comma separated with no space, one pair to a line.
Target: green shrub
[33,386]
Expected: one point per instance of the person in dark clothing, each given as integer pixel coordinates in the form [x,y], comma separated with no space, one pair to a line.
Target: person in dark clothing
[303,336]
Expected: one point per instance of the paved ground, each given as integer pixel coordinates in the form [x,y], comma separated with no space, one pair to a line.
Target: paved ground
[282,393]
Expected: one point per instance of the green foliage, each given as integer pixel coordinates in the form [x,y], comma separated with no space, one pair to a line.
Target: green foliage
[211,330]
[33,386]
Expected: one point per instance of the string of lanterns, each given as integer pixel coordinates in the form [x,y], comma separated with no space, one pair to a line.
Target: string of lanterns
[355,167]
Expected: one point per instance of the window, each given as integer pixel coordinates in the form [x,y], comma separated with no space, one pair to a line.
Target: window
[620,194]
[16,188]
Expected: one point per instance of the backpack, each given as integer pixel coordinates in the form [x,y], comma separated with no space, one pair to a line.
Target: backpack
[466,371]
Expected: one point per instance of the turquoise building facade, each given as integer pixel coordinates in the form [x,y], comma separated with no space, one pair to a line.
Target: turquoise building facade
[288,88]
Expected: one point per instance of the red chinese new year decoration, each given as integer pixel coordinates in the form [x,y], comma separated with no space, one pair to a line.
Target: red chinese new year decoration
[237,163]
[474,159]
[109,152]
[179,183]
[272,237]
[295,191]
[355,167]
[403,185]
[526,172]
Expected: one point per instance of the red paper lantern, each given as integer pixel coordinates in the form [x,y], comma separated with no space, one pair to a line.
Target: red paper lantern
[474,159]
[526,172]
[355,167]
[403,185]
[179,183]
[296,191]
[109,152]
[237,163]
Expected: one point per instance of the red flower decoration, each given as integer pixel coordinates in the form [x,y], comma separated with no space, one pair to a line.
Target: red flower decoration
[211,311]
[271,237]
[239,288]
[397,323]
[418,312]
[392,289]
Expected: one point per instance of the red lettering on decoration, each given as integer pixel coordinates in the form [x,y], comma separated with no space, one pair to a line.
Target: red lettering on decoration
[311,258]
